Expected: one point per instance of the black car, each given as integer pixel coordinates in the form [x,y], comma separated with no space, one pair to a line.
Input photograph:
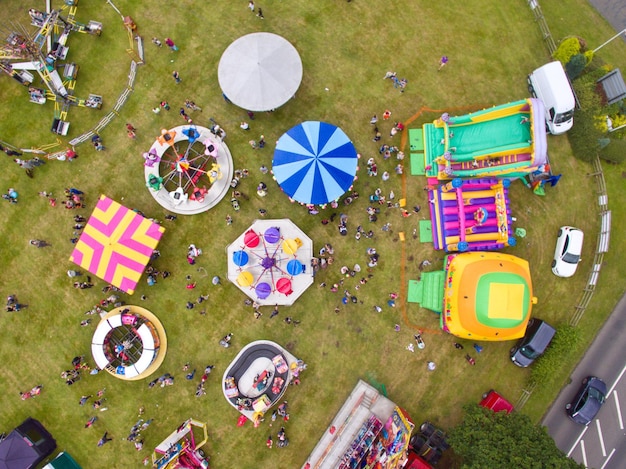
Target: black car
[429,442]
[587,401]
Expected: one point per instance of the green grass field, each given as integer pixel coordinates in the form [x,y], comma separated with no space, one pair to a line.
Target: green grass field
[347,48]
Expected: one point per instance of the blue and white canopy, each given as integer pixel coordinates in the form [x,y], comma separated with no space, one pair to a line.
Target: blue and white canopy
[314,163]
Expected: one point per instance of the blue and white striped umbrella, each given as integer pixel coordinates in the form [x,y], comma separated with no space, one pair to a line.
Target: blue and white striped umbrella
[314,163]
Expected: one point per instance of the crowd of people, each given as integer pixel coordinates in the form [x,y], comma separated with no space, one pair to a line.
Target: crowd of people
[350,277]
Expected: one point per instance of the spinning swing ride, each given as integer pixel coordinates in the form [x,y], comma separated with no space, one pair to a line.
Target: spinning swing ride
[269,261]
[188,169]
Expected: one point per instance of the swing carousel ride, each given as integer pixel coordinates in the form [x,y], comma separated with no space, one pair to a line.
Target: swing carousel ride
[188,169]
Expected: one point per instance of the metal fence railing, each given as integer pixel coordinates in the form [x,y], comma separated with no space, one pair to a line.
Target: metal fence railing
[525,395]
[602,244]
[115,112]
[543,26]
[120,100]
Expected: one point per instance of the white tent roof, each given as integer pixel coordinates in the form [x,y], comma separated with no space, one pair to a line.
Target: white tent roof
[260,71]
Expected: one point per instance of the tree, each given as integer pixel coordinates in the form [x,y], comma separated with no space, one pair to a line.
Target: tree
[500,440]
[584,135]
[568,48]
[575,66]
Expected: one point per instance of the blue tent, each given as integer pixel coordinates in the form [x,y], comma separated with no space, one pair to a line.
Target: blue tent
[26,446]
[314,163]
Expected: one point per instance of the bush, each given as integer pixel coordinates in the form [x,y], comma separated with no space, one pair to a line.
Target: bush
[567,49]
[584,135]
[617,114]
[546,367]
[575,66]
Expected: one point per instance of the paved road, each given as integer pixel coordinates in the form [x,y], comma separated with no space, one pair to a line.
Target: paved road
[602,444]
[614,11]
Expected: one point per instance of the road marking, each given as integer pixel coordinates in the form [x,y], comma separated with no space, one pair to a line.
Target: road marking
[617,380]
[600,437]
[576,443]
[582,447]
[607,459]
[619,411]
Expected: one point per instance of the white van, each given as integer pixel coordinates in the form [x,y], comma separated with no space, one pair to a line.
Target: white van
[550,84]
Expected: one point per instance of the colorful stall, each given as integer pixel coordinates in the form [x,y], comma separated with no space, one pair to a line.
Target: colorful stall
[368,431]
[182,448]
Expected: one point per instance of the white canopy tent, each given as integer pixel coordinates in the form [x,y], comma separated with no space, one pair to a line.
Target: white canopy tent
[260,71]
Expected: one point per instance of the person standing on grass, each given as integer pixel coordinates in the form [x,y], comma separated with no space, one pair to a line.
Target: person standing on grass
[177,77]
[173,47]
[260,14]
[442,62]
[251,5]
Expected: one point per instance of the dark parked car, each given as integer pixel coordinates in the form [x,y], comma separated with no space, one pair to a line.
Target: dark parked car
[429,442]
[587,401]
[538,336]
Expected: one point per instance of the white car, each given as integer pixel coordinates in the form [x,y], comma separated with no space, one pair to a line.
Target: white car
[569,246]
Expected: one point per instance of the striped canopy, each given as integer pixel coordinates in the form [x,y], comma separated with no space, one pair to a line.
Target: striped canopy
[315,163]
